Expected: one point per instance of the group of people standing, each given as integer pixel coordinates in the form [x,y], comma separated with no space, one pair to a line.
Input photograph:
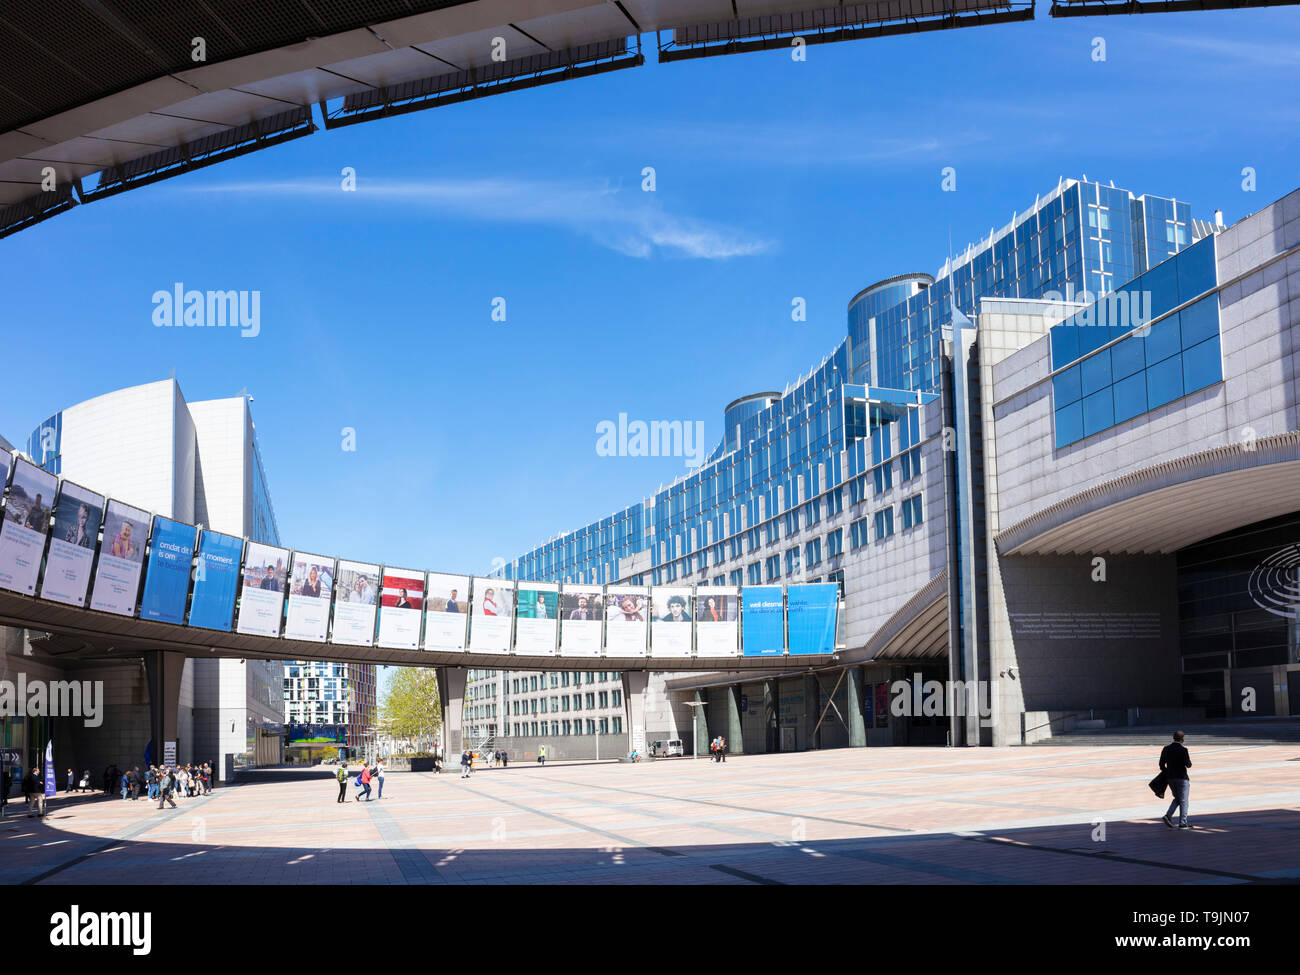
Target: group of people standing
[368,773]
[164,782]
[718,749]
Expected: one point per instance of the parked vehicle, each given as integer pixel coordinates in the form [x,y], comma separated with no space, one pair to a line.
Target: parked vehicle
[666,747]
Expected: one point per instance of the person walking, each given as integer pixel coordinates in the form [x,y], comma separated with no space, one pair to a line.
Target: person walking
[722,749]
[363,783]
[34,793]
[133,777]
[84,784]
[71,781]
[465,764]
[343,782]
[713,748]
[124,783]
[505,759]
[379,774]
[166,786]
[1174,762]
[541,756]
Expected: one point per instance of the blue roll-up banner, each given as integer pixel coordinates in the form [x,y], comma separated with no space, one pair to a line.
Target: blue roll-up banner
[216,580]
[812,613]
[762,621]
[49,769]
[167,581]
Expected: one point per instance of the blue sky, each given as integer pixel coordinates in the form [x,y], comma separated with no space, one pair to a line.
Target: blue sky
[775,180]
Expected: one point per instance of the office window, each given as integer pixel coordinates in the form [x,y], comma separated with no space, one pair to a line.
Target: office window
[755,573]
[813,552]
[591,702]
[604,699]
[564,679]
[884,523]
[736,578]
[835,542]
[604,726]
[792,560]
[912,511]
[543,705]
[858,535]
[834,502]
[909,463]
[533,683]
[883,477]
[618,726]
[773,568]
[555,680]
[616,699]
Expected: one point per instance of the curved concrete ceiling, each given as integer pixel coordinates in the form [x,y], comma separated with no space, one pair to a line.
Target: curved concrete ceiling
[1168,506]
[111,88]
[917,631]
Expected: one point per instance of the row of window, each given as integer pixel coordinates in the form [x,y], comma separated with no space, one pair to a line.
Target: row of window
[882,523]
[603,699]
[523,685]
[591,726]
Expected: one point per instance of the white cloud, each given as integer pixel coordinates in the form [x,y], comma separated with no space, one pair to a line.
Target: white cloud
[628,221]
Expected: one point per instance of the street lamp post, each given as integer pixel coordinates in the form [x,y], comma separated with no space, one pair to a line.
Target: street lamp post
[695,737]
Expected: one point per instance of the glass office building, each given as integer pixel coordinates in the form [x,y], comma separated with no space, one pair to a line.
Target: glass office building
[784,458]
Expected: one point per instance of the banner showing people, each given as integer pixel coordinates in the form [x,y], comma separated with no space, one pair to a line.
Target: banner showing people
[536,618]
[446,611]
[26,520]
[401,605]
[670,634]
[811,612]
[261,598]
[489,630]
[717,621]
[78,514]
[121,557]
[625,621]
[311,583]
[167,581]
[355,597]
[762,620]
[581,621]
[216,581]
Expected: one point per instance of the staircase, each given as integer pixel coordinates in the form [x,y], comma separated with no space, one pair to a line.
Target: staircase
[1205,734]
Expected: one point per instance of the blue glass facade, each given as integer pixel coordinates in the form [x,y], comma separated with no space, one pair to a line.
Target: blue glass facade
[1148,343]
[783,461]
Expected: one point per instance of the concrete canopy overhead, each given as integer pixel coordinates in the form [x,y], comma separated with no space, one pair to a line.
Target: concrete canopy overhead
[132,90]
[1168,506]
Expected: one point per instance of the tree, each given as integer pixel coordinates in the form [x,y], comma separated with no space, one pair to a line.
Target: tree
[411,707]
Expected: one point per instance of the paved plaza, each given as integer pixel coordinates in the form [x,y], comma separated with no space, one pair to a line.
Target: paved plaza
[885,816]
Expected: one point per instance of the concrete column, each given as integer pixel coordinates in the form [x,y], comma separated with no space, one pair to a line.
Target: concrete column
[700,726]
[164,669]
[634,685]
[856,719]
[451,697]
[771,719]
[734,734]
